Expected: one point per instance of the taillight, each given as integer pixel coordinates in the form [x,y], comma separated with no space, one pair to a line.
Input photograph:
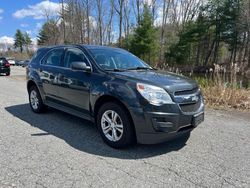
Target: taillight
[7,65]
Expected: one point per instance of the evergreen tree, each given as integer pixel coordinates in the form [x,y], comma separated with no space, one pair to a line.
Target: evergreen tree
[42,37]
[49,34]
[27,40]
[19,40]
[143,42]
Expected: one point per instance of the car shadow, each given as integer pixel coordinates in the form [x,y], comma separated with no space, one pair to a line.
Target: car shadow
[83,135]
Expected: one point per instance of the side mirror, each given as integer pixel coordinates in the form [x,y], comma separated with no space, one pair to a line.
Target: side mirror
[80,66]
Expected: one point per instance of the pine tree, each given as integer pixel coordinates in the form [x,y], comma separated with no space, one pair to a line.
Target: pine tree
[27,40]
[49,34]
[19,40]
[143,43]
[42,37]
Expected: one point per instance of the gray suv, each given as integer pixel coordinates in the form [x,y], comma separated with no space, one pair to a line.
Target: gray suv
[128,100]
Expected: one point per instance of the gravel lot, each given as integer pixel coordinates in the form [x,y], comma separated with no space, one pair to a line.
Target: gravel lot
[59,150]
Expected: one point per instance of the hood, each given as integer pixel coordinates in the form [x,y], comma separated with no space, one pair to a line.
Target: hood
[169,81]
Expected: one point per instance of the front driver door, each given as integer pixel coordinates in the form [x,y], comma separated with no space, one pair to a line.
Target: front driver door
[75,85]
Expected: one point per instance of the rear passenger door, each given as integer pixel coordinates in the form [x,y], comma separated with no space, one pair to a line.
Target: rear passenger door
[75,84]
[50,69]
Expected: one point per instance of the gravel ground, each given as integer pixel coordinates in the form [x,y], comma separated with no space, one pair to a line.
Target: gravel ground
[59,150]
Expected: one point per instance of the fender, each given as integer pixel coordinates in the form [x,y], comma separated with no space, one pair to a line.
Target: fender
[34,77]
[117,88]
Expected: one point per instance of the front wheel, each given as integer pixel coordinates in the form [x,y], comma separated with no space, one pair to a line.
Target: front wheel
[115,126]
[36,102]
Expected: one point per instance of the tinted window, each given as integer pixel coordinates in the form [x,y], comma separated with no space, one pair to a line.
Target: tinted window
[116,59]
[54,57]
[2,61]
[37,56]
[74,55]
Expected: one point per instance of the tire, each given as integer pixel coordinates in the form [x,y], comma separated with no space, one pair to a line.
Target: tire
[120,121]
[35,100]
[8,74]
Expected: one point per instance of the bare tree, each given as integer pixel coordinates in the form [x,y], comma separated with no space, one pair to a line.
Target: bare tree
[119,11]
[110,22]
[165,11]
[127,17]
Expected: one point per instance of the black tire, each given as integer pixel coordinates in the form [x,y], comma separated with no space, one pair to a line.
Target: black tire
[128,135]
[40,105]
[7,74]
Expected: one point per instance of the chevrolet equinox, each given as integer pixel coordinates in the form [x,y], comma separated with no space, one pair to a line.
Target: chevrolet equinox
[128,100]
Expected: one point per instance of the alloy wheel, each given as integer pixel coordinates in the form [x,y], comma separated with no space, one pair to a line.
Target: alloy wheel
[112,125]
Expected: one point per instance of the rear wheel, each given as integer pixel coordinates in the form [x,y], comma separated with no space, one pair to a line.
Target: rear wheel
[7,74]
[115,126]
[35,100]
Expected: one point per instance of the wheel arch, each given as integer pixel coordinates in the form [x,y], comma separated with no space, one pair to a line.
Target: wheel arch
[108,98]
[31,83]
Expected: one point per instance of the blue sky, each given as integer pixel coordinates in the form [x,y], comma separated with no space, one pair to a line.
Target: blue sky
[26,15]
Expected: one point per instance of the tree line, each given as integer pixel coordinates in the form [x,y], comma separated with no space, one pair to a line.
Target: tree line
[22,41]
[162,32]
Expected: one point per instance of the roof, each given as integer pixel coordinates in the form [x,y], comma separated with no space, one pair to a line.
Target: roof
[84,45]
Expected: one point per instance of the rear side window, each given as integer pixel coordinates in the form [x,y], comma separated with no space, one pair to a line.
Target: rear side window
[38,55]
[54,57]
[74,55]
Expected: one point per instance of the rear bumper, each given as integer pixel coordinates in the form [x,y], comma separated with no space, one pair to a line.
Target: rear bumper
[159,124]
[4,70]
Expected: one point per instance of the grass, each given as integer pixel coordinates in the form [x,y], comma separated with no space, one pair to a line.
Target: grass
[222,89]
[226,97]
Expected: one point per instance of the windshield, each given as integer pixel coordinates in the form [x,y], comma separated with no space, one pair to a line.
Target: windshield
[116,59]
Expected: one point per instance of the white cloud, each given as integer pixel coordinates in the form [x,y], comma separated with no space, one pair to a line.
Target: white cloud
[34,41]
[29,32]
[39,10]
[6,40]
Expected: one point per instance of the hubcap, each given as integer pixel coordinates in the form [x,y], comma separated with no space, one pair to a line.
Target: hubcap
[112,125]
[34,100]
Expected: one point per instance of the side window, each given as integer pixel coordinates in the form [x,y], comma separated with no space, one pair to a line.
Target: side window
[54,57]
[74,55]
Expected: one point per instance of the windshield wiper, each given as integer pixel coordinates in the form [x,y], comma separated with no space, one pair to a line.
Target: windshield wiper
[116,70]
[140,68]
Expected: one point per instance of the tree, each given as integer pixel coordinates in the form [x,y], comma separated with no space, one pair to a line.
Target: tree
[143,43]
[49,34]
[27,40]
[119,10]
[19,40]
[100,20]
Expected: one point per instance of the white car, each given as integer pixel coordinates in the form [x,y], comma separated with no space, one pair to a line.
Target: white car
[11,61]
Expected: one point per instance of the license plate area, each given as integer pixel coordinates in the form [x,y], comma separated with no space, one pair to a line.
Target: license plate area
[197,119]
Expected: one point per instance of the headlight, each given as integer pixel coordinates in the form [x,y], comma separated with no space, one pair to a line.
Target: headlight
[154,94]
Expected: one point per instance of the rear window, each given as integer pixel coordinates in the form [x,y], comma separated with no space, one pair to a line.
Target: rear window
[2,61]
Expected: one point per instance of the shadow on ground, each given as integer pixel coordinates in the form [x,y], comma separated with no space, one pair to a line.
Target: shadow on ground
[83,135]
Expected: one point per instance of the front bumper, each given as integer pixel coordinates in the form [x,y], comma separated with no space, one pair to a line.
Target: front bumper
[156,124]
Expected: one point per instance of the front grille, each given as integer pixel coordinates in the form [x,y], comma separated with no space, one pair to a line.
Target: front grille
[186,92]
[193,107]
[187,99]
